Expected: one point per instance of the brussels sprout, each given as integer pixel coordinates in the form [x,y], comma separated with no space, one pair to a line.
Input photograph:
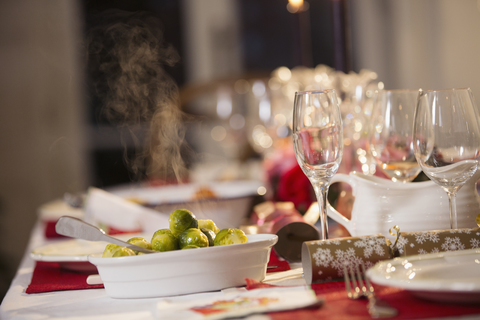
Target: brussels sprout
[192,236]
[110,250]
[164,240]
[190,246]
[210,235]
[230,236]
[180,220]
[208,224]
[141,242]
[122,251]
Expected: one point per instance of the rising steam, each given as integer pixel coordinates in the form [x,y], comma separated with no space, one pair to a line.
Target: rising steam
[126,59]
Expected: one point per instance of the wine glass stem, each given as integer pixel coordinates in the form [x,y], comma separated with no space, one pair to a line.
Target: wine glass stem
[453,209]
[321,193]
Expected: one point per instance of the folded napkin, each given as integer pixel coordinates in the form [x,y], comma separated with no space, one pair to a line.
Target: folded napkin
[110,211]
[338,306]
[50,276]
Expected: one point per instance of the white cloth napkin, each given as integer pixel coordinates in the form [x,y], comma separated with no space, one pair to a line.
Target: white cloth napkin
[102,207]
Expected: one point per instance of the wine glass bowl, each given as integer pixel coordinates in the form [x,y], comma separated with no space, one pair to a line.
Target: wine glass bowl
[318,155]
[390,134]
[318,142]
[447,139]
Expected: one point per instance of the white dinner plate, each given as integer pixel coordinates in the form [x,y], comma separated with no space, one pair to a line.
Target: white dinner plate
[73,254]
[452,276]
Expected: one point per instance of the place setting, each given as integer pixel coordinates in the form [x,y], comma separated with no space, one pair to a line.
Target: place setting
[437,259]
[235,159]
[257,160]
[405,243]
[413,221]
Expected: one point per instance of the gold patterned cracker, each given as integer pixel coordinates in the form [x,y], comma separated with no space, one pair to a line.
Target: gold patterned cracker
[423,242]
[323,260]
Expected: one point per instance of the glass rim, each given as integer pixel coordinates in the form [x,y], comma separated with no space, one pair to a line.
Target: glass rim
[443,90]
[314,91]
[398,90]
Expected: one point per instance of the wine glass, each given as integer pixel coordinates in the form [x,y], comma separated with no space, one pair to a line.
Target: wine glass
[318,142]
[390,134]
[446,139]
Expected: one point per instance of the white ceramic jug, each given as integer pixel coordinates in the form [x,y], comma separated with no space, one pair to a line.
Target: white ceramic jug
[381,204]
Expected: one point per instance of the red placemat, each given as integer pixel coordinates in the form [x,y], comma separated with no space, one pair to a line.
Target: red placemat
[50,230]
[49,276]
[337,305]
[276,264]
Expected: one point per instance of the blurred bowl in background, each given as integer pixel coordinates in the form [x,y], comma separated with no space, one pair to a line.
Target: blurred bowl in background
[227,203]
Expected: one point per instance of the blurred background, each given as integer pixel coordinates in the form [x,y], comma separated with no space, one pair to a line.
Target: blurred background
[81,82]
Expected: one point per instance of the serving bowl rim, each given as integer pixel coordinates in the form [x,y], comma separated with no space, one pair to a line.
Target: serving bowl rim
[264,241]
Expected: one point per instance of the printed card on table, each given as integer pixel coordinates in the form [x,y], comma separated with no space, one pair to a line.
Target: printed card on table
[236,302]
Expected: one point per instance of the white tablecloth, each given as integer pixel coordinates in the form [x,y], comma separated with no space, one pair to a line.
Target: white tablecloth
[92,304]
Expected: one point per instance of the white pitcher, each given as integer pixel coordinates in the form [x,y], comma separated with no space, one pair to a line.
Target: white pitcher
[381,204]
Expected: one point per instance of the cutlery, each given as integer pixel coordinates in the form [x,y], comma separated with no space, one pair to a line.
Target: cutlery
[364,289]
[77,228]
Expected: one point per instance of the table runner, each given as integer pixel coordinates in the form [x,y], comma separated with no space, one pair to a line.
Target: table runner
[338,306]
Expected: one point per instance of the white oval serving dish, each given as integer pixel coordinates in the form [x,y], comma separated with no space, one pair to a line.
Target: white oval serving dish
[185,271]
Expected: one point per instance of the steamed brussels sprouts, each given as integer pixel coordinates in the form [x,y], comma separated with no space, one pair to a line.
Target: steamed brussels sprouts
[230,236]
[113,250]
[164,240]
[190,246]
[141,242]
[122,251]
[192,236]
[208,224]
[110,250]
[184,232]
[210,235]
[180,220]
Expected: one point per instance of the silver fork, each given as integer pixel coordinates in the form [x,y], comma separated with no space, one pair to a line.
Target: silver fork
[364,289]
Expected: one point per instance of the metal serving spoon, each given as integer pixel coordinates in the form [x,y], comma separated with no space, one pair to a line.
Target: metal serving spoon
[76,228]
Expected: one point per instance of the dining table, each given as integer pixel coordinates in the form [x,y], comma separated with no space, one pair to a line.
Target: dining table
[44,290]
